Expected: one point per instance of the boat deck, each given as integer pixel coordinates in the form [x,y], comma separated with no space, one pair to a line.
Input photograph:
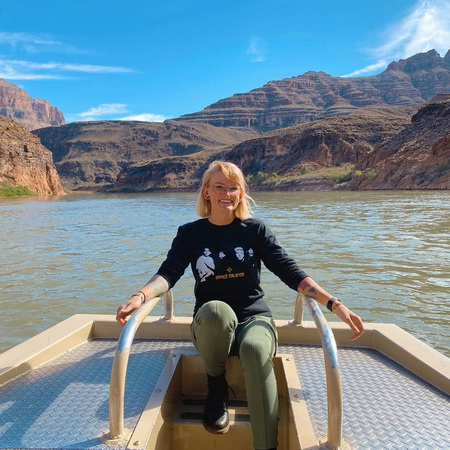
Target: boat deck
[64,402]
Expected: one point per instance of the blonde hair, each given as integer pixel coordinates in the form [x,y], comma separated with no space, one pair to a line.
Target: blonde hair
[232,172]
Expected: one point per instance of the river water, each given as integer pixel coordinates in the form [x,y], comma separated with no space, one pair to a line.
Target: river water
[385,254]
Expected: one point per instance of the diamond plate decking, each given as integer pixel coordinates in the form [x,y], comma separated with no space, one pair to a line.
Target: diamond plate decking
[385,406]
[64,404]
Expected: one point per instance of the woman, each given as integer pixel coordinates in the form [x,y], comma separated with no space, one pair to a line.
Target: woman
[225,249]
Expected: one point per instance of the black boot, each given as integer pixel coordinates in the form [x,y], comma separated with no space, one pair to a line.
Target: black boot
[215,415]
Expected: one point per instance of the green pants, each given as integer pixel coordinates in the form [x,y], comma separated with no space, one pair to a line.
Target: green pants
[217,334]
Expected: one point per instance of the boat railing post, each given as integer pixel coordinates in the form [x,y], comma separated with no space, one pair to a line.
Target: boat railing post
[333,375]
[118,434]
[168,305]
[299,308]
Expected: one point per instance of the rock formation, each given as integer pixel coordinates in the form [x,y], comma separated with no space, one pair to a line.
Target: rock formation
[316,95]
[90,155]
[178,173]
[416,158]
[318,123]
[32,113]
[281,155]
[323,143]
[25,162]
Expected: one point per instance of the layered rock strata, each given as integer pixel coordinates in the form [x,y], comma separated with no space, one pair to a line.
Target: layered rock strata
[323,143]
[90,155]
[316,95]
[283,155]
[25,162]
[416,158]
[32,113]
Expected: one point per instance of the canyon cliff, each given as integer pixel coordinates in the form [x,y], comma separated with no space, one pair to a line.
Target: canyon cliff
[25,162]
[90,155]
[32,113]
[416,158]
[317,95]
[287,159]
[389,148]
[325,134]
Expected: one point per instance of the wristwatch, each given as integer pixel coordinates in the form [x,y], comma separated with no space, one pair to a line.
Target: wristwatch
[332,302]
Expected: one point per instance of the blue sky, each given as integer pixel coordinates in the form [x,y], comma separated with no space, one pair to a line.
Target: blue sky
[152,60]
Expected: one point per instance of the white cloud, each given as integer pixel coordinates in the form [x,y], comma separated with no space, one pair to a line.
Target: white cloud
[36,43]
[10,71]
[108,111]
[146,117]
[426,27]
[9,74]
[28,70]
[257,50]
[105,109]
[369,69]
[16,38]
[18,69]
[89,68]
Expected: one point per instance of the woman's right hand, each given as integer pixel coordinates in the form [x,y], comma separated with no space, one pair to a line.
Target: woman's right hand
[156,287]
[124,310]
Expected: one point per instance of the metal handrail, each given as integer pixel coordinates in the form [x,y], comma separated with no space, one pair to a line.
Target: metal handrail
[332,368]
[117,432]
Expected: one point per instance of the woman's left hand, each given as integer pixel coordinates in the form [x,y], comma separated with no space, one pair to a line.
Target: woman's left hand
[310,288]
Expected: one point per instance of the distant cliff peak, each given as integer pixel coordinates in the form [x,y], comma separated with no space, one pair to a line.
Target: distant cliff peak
[32,113]
[422,61]
[317,95]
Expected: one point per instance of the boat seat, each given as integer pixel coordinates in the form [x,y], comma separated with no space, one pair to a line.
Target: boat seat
[180,425]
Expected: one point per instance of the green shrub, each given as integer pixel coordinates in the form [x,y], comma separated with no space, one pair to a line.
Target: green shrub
[262,177]
[365,175]
[7,190]
[344,177]
[443,168]
[303,169]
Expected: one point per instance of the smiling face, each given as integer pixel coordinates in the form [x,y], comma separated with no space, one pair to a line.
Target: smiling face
[224,195]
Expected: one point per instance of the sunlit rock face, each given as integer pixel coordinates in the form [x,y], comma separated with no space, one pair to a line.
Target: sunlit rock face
[316,95]
[24,161]
[416,158]
[32,113]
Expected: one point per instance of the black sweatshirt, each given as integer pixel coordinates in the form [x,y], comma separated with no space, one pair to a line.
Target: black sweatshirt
[226,263]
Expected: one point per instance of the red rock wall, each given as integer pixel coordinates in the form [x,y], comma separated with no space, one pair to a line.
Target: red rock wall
[32,113]
[25,162]
[416,158]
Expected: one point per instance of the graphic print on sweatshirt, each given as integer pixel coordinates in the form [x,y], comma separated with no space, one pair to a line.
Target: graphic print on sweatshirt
[223,266]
